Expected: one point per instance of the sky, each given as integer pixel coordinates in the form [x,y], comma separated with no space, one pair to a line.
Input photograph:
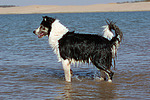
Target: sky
[57,2]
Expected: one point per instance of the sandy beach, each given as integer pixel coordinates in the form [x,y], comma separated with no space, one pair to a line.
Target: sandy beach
[113,7]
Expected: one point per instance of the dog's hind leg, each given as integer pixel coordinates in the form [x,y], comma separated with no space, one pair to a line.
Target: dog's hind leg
[67,70]
[105,69]
[109,76]
[102,75]
[71,72]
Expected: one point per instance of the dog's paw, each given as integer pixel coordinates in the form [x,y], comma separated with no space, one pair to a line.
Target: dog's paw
[110,81]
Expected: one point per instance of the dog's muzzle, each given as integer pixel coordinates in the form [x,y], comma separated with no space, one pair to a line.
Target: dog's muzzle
[34,32]
[40,35]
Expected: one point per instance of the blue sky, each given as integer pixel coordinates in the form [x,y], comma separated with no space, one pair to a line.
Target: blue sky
[57,2]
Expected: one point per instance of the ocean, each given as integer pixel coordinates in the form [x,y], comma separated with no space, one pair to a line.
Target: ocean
[29,70]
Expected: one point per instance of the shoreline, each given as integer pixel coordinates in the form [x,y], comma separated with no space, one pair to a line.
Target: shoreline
[41,9]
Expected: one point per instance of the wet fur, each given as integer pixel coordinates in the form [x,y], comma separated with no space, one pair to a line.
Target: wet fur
[71,47]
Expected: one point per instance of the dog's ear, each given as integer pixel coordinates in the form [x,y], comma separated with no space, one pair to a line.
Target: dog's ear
[44,18]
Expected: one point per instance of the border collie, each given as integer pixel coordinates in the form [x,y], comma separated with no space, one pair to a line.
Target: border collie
[71,47]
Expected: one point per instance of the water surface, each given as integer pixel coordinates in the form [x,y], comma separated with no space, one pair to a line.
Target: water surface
[30,70]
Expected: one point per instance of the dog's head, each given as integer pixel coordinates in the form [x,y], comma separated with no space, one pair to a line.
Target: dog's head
[45,27]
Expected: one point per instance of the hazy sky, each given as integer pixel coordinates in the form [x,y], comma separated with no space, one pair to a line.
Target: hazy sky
[57,2]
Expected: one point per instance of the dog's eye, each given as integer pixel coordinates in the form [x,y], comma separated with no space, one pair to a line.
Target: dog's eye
[42,27]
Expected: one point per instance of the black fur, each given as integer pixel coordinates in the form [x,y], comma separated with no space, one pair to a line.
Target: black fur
[47,22]
[82,47]
[87,47]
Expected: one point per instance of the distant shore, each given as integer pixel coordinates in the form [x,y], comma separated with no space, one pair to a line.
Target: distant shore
[113,7]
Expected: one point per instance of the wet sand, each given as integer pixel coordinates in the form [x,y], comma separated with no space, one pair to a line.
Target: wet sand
[113,7]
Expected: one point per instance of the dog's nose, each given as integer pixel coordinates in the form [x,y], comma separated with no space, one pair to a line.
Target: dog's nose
[34,32]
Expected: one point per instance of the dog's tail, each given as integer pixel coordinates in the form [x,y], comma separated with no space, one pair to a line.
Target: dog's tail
[116,40]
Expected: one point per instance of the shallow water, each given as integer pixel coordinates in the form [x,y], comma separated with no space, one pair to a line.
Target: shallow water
[29,68]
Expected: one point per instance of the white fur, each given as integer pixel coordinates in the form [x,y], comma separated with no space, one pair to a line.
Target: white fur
[37,30]
[107,33]
[115,47]
[77,63]
[114,51]
[66,67]
[57,31]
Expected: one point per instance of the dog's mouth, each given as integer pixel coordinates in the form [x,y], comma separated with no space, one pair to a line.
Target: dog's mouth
[41,35]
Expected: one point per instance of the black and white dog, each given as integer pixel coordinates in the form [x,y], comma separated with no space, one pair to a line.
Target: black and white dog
[73,47]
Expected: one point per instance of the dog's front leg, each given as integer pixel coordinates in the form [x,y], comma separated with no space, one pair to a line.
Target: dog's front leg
[66,67]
